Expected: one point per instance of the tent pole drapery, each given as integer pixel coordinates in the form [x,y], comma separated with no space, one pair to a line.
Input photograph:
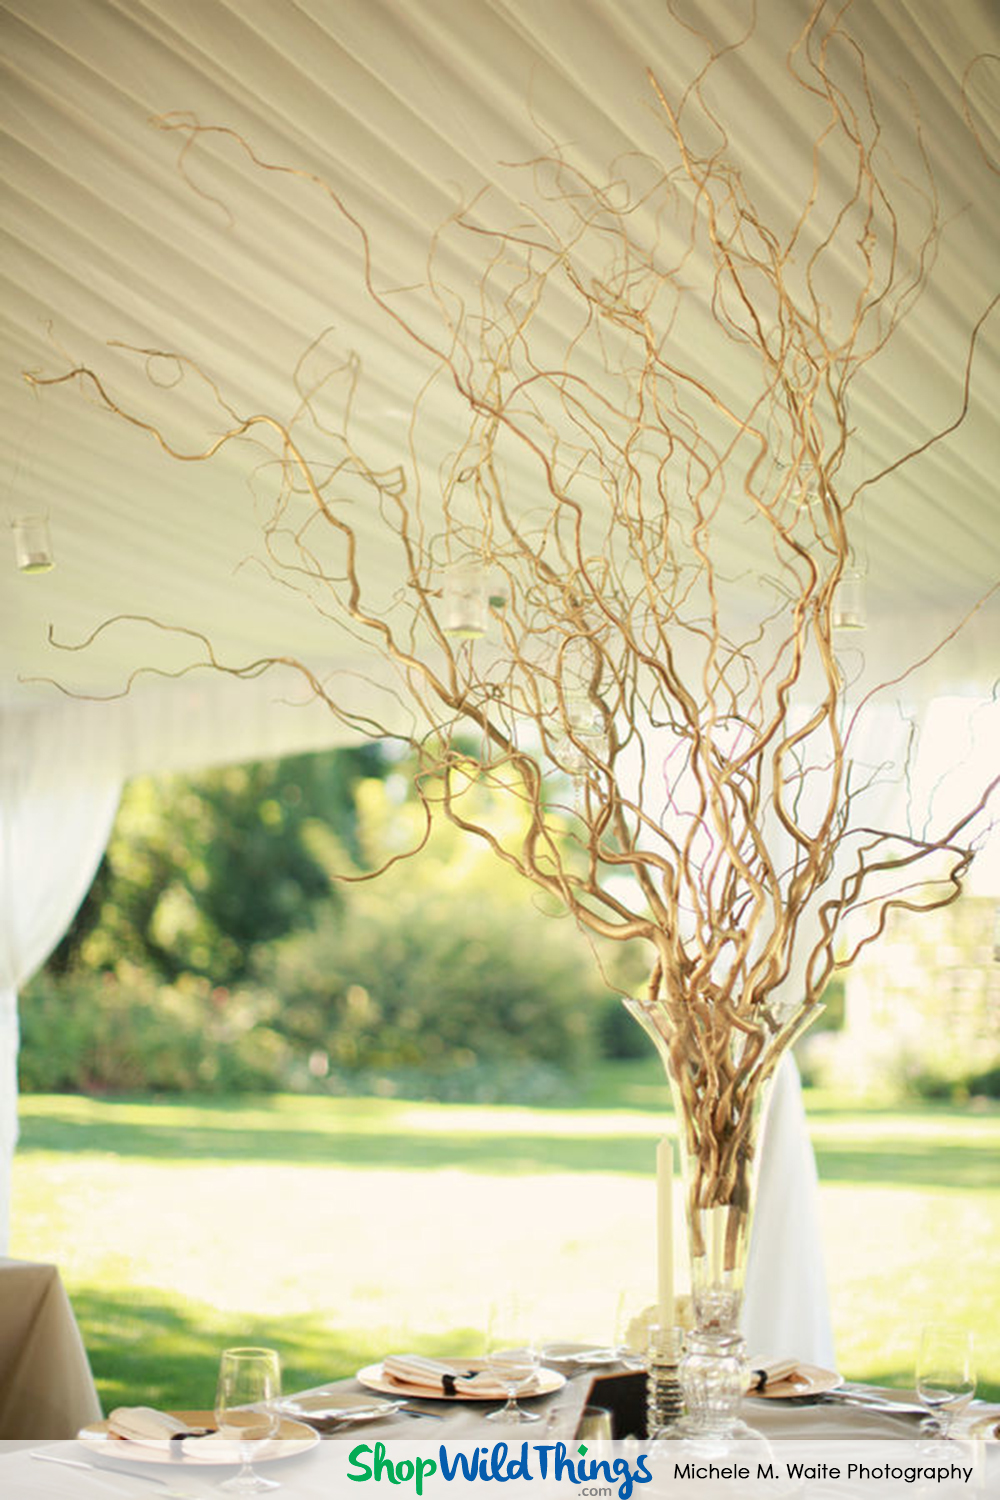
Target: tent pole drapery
[55,817]
[62,767]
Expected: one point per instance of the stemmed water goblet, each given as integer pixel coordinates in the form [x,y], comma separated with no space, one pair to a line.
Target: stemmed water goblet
[631,1332]
[946,1376]
[246,1411]
[512,1355]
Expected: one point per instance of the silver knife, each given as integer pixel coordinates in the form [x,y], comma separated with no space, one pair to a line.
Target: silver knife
[164,1490]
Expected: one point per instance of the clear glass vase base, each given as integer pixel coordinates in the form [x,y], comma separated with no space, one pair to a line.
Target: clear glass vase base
[708,1444]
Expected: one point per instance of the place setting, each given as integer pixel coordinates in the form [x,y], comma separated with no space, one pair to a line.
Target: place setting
[247,1426]
[515,1367]
[485,1379]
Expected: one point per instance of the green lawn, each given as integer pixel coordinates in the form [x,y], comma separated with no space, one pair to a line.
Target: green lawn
[335,1228]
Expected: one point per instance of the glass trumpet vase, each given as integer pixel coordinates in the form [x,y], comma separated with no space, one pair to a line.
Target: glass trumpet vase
[719,1156]
[720,1077]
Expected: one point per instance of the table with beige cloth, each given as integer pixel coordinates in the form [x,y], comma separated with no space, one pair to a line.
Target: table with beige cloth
[46,1386]
[323,1473]
[561,1411]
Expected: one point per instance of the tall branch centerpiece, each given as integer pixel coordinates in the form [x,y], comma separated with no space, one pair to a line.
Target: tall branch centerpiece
[634,644]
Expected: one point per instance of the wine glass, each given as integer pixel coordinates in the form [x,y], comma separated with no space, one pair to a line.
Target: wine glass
[630,1335]
[246,1410]
[595,1425]
[946,1376]
[512,1355]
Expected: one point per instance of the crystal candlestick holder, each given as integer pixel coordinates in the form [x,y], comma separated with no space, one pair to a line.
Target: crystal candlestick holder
[664,1401]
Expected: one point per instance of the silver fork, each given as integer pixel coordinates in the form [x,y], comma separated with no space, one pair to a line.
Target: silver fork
[417,1411]
[872,1398]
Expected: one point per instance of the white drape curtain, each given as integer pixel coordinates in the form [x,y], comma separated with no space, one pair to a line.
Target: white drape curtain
[55,817]
[62,767]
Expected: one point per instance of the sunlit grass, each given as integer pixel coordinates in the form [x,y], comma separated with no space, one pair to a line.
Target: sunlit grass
[335,1228]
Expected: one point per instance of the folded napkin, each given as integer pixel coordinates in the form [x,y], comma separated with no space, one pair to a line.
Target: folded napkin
[141,1423]
[144,1424]
[444,1379]
[768,1372]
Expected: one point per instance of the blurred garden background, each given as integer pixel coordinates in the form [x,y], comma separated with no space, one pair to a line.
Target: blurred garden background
[263,1103]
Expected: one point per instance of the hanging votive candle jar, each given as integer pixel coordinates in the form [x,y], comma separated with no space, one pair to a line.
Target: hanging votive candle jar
[32,546]
[464,610]
[849,610]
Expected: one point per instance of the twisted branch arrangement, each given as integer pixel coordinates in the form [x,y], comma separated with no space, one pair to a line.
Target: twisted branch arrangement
[705,736]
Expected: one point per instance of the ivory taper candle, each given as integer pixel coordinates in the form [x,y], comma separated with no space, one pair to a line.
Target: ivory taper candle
[665,1230]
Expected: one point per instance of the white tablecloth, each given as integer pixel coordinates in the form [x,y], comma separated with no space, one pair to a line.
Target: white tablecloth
[818,1432]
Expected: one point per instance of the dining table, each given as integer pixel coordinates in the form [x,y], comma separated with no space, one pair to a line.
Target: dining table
[869,1419]
[46,1384]
[850,1411]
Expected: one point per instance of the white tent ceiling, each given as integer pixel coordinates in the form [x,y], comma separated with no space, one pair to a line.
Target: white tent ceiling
[405,106]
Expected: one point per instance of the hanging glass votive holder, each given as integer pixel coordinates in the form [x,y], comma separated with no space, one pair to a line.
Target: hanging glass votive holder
[849,607]
[32,546]
[582,716]
[572,759]
[464,611]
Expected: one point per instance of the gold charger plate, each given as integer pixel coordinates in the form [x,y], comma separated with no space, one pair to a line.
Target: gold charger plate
[807,1380]
[292,1438]
[373,1379]
[986,1429]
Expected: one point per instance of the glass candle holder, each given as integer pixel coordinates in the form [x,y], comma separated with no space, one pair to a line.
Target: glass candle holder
[664,1400]
[849,610]
[464,601]
[32,546]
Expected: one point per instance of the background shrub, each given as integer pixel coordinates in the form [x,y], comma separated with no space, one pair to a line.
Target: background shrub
[126,1032]
[436,986]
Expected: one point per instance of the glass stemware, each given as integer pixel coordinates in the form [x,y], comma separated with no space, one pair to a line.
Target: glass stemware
[595,1427]
[946,1376]
[245,1411]
[631,1335]
[512,1355]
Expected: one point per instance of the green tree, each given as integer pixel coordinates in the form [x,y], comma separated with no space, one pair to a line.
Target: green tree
[200,869]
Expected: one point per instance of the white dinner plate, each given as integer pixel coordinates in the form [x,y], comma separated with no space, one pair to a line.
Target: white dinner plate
[330,1408]
[373,1378]
[292,1438]
[581,1356]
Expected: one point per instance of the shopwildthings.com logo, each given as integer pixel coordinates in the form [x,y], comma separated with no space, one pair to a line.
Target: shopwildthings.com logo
[497,1464]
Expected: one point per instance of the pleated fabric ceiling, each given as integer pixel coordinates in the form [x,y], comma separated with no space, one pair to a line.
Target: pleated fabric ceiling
[407,110]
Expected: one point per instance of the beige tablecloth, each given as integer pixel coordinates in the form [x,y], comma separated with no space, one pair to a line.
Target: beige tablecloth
[46,1386]
[462,1421]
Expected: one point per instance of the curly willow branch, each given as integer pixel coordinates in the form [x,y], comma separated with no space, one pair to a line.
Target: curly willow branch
[713,789]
